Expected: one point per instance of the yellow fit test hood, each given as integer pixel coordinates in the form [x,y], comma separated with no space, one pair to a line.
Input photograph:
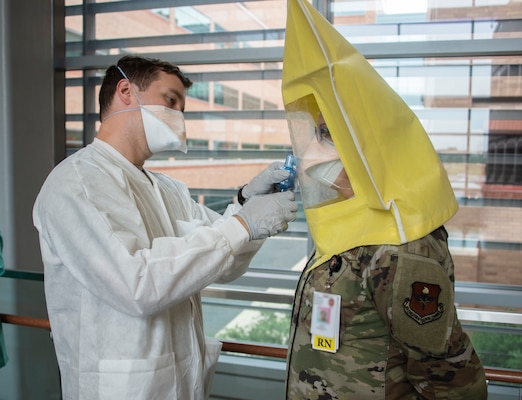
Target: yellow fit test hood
[402,191]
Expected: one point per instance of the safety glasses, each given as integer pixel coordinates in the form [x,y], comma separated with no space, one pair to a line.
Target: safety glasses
[323,134]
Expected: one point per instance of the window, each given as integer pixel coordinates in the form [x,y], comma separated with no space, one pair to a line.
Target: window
[251,102]
[504,166]
[199,90]
[466,95]
[226,96]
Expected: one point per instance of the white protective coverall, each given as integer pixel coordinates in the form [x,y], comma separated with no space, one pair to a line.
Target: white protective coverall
[125,260]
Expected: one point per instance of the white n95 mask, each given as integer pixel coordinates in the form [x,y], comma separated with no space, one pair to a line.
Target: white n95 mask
[326,173]
[164,128]
[321,162]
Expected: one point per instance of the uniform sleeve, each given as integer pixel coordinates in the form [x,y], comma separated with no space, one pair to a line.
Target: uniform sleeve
[414,293]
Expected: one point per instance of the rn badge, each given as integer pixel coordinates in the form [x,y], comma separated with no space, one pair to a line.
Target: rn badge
[423,306]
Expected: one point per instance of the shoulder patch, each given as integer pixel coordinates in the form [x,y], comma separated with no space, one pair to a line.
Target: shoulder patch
[423,304]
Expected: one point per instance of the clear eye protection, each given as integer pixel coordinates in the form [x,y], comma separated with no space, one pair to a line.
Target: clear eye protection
[322,134]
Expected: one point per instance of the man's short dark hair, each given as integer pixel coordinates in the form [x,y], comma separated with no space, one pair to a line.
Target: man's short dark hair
[141,71]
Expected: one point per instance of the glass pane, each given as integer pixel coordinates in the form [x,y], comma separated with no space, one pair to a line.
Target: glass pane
[423,20]
[171,28]
[265,324]
[470,106]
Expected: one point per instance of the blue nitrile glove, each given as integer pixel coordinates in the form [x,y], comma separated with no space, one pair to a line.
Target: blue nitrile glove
[263,183]
[269,214]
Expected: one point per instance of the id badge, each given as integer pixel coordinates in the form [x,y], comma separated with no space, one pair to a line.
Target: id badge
[326,312]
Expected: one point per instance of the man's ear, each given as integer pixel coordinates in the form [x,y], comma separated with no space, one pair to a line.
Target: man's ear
[124,91]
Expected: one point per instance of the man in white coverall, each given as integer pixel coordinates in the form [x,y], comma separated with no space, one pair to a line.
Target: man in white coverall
[127,251]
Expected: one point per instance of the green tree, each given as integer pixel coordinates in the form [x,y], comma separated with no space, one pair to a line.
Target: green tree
[498,350]
[269,328]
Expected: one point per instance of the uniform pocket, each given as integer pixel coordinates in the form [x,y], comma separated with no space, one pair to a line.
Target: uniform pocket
[153,378]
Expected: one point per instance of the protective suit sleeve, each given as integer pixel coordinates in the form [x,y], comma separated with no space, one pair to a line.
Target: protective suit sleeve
[234,233]
[94,230]
[413,292]
[229,227]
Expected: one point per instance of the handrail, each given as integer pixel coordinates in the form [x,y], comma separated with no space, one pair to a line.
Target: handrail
[21,320]
[492,374]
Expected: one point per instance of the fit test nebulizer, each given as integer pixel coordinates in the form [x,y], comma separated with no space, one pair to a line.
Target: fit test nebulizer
[288,183]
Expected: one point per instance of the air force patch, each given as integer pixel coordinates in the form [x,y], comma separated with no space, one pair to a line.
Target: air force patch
[423,306]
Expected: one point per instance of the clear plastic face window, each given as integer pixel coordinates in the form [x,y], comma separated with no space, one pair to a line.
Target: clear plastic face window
[319,165]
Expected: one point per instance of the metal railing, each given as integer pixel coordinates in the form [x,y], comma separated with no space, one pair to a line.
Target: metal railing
[492,374]
[280,352]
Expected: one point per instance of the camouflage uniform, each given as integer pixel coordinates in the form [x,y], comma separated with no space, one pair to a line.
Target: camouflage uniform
[399,333]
